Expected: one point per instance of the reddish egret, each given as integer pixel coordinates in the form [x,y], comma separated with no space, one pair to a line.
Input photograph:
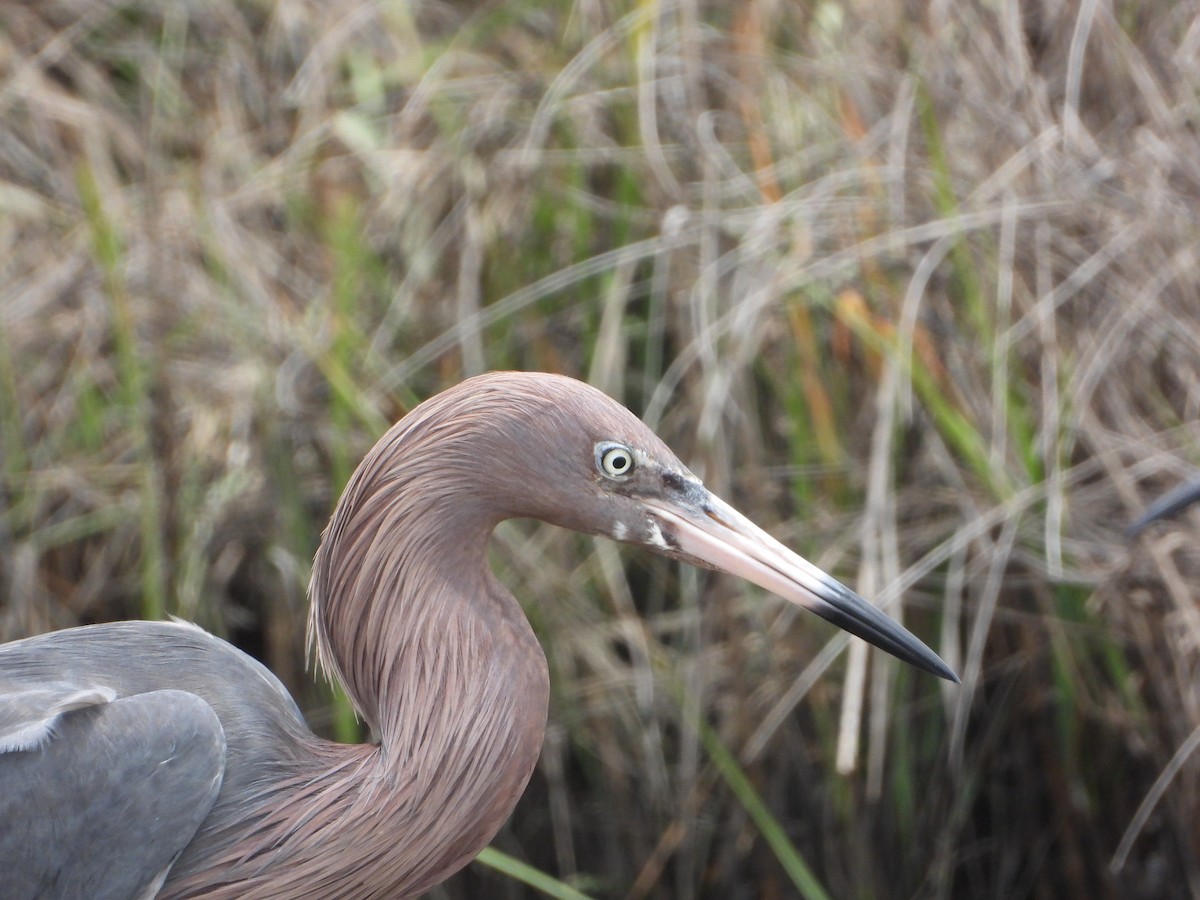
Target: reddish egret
[138,757]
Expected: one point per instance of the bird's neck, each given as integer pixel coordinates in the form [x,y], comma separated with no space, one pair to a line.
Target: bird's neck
[438,658]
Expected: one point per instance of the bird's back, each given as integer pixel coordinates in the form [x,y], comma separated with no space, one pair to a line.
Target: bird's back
[143,740]
[130,658]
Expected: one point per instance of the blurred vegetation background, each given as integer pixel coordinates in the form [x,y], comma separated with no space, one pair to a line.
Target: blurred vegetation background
[915,285]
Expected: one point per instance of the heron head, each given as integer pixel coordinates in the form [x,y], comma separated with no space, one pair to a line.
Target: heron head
[564,452]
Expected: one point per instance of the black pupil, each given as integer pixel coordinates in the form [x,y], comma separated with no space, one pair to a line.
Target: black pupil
[618,461]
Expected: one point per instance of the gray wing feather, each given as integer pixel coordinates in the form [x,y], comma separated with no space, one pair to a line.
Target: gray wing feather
[98,795]
[28,718]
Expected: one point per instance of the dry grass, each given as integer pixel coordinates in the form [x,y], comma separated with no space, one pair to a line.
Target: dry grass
[920,280]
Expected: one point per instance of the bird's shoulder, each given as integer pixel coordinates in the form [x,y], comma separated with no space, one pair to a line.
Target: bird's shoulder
[99,663]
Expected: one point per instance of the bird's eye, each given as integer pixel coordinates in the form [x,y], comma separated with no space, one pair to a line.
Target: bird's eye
[614,460]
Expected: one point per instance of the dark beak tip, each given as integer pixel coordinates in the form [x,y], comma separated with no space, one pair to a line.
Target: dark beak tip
[944,671]
[928,661]
[850,612]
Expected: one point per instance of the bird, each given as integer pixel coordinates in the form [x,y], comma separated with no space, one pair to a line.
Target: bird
[153,759]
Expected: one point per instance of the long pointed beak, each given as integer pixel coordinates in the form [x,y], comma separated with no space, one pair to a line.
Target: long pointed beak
[710,532]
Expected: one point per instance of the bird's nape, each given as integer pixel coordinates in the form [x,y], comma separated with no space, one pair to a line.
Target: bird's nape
[706,531]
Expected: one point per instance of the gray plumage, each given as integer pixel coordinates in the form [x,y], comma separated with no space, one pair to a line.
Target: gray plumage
[167,739]
[133,779]
[114,742]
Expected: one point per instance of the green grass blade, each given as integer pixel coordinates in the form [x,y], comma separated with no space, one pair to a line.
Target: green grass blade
[14,455]
[785,851]
[135,394]
[527,874]
[946,201]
